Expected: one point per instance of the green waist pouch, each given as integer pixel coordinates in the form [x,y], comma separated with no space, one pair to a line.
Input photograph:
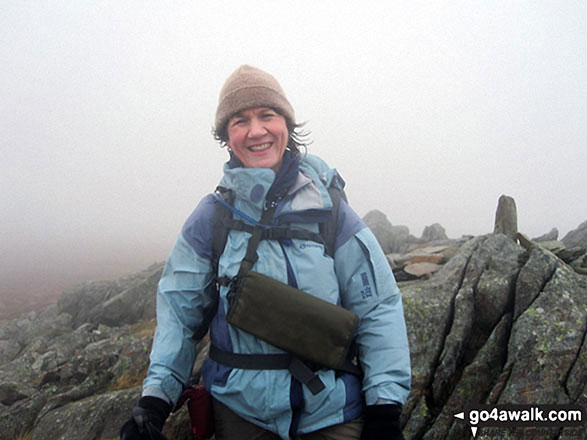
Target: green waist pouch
[292,320]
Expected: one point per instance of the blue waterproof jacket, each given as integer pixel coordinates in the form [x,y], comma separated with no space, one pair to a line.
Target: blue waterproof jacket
[358,277]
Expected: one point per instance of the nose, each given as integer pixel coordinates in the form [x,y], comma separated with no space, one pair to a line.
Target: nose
[257,128]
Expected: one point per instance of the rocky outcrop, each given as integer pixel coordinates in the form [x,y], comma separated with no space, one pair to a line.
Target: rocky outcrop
[497,324]
[576,237]
[576,256]
[424,260]
[506,217]
[434,232]
[494,322]
[552,235]
[122,301]
[396,239]
[391,238]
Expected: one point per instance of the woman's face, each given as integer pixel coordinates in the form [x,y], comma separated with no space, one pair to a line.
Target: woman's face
[258,136]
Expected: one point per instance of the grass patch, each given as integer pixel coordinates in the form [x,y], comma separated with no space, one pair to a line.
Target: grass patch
[144,329]
[128,381]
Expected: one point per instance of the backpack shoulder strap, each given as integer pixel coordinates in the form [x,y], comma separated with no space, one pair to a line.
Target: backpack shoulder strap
[328,229]
[220,231]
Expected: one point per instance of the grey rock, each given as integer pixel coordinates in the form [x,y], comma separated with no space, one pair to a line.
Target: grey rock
[576,237]
[133,304]
[391,238]
[568,255]
[497,324]
[18,420]
[577,381]
[552,246]
[506,217]
[428,307]
[123,301]
[476,381]
[381,228]
[537,270]
[546,341]
[552,235]
[434,232]
[9,349]
[400,236]
[423,269]
[9,393]
[486,286]
[95,417]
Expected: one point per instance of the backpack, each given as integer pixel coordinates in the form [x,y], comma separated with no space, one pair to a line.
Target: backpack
[224,222]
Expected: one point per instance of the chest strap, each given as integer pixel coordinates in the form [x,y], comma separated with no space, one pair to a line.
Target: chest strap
[276,361]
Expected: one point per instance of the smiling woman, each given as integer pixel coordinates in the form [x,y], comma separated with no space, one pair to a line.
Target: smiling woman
[277,237]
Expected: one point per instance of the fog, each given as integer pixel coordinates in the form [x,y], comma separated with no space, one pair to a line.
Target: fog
[429,110]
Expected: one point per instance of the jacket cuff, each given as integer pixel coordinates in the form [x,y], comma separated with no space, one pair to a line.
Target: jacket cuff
[156,392]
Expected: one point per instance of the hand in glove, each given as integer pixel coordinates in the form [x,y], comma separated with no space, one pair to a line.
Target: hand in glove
[147,420]
[382,423]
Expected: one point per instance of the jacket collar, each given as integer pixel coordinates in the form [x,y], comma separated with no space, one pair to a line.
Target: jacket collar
[255,185]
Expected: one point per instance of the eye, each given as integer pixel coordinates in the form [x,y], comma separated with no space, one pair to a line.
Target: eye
[237,121]
[268,114]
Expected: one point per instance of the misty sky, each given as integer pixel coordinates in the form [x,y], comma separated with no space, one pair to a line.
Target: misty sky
[429,110]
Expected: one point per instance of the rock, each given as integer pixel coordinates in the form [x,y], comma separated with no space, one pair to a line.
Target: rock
[474,384]
[546,340]
[568,255]
[97,416]
[409,266]
[381,228]
[435,259]
[537,270]
[133,304]
[18,420]
[399,238]
[486,286]
[434,232]
[428,309]
[506,217]
[123,301]
[422,269]
[510,325]
[524,241]
[10,394]
[549,236]
[391,238]
[496,285]
[552,246]
[9,349]
[576,237]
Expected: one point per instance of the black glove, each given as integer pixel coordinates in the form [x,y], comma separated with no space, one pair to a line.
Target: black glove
[147,420]
[382,423]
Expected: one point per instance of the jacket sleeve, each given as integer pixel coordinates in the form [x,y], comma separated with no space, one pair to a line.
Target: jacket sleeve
[186,301]
[369,289]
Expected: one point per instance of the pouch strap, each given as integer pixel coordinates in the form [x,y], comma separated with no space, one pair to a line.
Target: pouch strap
[305,375]
[276,361]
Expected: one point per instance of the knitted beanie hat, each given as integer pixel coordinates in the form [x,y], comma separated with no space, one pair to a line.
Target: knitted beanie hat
[250,87]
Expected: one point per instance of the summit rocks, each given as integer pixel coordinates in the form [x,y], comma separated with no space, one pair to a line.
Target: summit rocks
[491,319]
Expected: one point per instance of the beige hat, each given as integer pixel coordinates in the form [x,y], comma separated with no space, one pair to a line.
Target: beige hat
[250,87]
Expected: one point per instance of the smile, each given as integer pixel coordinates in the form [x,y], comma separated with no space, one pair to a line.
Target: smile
[260,147]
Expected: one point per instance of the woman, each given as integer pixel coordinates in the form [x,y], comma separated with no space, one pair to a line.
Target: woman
[256,122]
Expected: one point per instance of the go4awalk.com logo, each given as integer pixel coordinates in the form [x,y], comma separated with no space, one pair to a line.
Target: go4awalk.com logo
[523,416]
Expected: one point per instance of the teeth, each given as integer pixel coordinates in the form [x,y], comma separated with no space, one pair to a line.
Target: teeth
[260,147]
